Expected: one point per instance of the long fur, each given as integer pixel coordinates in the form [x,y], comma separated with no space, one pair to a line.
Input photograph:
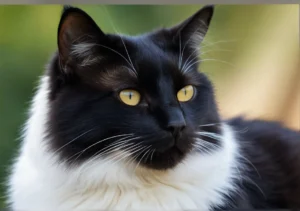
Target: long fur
[39,182]
[84,149]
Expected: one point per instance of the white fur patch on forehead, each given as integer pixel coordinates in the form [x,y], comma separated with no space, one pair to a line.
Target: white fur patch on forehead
[84,52]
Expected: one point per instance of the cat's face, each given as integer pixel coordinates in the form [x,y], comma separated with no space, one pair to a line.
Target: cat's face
[140,98]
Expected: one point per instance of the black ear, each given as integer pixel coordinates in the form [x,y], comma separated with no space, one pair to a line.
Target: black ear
[77,32]
[192,31]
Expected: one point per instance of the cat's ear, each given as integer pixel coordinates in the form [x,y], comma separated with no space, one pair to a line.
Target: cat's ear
[77,33]
[192,31]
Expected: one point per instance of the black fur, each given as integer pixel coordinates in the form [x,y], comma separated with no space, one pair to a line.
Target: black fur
[81,102]
[85,107]
[272,158]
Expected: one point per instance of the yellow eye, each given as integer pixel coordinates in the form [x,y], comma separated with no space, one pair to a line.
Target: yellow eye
[185,94]
[130,97]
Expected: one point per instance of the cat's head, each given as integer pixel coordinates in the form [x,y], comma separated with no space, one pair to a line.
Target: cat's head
[130,97]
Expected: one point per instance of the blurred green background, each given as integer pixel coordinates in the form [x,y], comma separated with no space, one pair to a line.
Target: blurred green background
[251,54]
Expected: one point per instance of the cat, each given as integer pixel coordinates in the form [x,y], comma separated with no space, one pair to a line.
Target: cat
[129,123]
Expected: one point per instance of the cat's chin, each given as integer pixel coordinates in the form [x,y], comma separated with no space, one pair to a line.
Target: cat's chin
[167,159]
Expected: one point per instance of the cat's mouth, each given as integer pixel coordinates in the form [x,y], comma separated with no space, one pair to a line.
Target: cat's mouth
[166,159]
[168,155]
[168,146]
[174,150]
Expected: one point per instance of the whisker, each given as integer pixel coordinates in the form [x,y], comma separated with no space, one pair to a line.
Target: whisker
[116,146]
[243,157]
[151,157]
[187,62]
[110,158]
[81,152]
[118,143]
[134,157]
[189,66]
[77,137]
[210,135]
[128,55]
[149,148]
[185,46]
[243,130]
[217,42]
[146,158]
[203,60]
[223,50]
[199,140]
[256,185]
[180,58]
[217,60]
[130,153]
[201,53]
[112,24]
[211,124]
[210,145]
[115,52]
[201,147]
[239,173]
[121,156]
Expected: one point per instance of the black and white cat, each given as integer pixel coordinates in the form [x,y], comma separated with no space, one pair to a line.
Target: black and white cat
[128,123]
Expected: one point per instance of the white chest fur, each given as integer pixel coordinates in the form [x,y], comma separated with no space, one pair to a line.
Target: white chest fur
[37,182]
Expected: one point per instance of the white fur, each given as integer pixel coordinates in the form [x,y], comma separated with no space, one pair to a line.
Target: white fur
[39,182]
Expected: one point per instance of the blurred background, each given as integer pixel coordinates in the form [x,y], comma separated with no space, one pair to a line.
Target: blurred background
[251,53]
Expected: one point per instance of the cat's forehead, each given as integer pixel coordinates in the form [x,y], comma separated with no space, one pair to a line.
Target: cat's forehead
[113,60]
[143,72]
[146,53]
[137,60]
[130,62]
[151,56]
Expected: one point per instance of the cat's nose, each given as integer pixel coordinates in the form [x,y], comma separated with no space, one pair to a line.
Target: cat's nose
[175,127]
[176,122]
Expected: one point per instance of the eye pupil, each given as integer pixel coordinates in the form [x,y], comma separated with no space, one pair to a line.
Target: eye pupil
[130,97]
[185,94]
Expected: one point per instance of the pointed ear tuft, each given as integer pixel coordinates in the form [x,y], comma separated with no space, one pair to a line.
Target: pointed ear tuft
[75,28]
[66,7]
[192,31]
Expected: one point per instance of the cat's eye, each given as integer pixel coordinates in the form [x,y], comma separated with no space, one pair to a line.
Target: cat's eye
[186,93]
[130,97]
